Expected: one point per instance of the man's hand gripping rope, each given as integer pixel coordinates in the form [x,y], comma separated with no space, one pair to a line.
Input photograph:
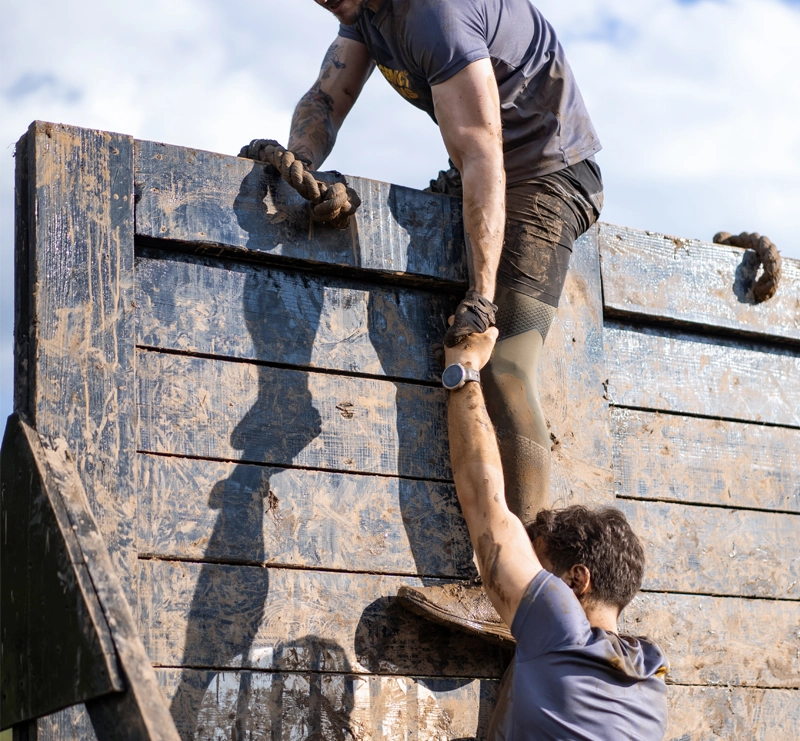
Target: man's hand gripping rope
[331,204]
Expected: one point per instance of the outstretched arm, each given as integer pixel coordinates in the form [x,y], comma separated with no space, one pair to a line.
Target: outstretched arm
[321,111]
[506,559]
[467,108]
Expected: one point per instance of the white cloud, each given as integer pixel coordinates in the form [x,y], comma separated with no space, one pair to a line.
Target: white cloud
[696,103]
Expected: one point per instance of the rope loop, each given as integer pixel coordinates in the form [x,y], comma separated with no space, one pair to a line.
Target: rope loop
[331,204]
[768,257]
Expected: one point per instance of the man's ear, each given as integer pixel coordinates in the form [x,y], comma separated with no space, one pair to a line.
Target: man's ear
[580,579]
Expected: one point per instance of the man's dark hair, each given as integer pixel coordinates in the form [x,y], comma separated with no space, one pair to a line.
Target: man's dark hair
[601,540]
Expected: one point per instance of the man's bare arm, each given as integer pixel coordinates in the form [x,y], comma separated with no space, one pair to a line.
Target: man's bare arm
[467,108]
[321,111]
[506,559]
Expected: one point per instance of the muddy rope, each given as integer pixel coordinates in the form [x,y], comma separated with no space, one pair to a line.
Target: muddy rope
[768,256]
[331,204]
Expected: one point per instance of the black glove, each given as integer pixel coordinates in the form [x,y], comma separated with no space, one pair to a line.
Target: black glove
[475,314]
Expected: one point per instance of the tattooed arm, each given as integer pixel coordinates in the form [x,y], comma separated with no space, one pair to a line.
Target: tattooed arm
[321,111]
[506,559]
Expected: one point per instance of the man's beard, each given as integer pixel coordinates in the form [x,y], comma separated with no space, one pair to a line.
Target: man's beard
[350,16]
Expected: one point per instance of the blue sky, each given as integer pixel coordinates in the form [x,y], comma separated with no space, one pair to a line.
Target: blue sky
[696,101]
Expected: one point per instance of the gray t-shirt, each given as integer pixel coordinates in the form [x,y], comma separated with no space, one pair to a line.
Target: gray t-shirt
[419,43]
[577,682]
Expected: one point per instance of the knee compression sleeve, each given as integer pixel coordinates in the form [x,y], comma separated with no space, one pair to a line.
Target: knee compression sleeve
[512,400]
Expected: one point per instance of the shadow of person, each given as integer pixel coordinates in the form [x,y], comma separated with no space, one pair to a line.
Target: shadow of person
[228,604]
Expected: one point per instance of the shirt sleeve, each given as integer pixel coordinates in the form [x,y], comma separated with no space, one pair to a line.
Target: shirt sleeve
[350,32]
[444,37]
[549,617]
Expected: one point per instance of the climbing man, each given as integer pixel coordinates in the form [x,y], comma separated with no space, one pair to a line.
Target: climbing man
[494,77]
[560,584]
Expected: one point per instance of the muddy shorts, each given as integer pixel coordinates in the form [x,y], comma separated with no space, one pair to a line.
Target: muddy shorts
[544,217]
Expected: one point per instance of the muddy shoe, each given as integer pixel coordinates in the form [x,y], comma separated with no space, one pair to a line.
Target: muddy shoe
[463,606]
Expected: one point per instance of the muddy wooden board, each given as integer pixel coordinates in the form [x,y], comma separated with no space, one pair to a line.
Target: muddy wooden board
[239,411]
[215,616]
[226,512]
[685,280]
[677,372]
[336,707]
[711,550]
[283,316]
[730,714]
[209,199]
[74,328]
[721,640]
[705,461]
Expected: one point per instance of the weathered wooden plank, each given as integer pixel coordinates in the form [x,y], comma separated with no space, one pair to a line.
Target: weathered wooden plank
[711,550]
[237,411]
[78,301]
[73,318]
[283,316]
[705,461]
[338,707]
[719,640]
[212,199]
[571,383]
[727,713]
[673,371]
[226,512]
[232,617]
[685,280]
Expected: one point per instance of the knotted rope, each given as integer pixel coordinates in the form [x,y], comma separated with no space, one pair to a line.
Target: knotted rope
[332,204]
[768,256]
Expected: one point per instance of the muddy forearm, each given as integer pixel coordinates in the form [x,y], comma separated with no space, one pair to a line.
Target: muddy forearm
[484,220]
[313,131]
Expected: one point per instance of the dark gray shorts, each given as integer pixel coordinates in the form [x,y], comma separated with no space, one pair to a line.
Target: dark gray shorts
[544,217]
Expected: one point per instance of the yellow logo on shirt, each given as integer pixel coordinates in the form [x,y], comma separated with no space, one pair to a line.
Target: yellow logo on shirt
[398,79]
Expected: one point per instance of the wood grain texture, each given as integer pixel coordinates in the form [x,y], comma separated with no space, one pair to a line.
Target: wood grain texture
[237,411]
[719,640]
[572,374]
[685,280]
[283,316]
[710,550]
[336,707]
[677,372]
[212,199]
[705,461]
[78,301]
[225,512]
[232,617]
[730,713]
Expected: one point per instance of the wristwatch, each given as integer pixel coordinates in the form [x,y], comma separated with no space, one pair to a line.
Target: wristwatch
[456,375]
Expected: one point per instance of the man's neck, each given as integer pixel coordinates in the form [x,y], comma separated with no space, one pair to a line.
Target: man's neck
[601,615]
[375,5]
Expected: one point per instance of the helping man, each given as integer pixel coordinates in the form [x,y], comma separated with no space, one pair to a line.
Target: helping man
[494,77]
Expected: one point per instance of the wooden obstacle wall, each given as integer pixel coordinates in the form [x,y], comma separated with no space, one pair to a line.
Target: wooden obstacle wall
[259,425]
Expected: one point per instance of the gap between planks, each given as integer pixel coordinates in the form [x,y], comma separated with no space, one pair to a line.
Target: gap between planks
[144,556]
[706,505]
[294,467]
[318,672]
[696,415]
[288,366]
[226,254]
[714,595]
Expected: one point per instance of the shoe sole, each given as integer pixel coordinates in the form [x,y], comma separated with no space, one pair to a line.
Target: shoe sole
[408,598]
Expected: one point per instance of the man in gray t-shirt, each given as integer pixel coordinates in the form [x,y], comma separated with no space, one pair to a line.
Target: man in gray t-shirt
[560,584]
[494,77]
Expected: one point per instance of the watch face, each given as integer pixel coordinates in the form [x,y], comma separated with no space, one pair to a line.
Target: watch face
[452,376]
